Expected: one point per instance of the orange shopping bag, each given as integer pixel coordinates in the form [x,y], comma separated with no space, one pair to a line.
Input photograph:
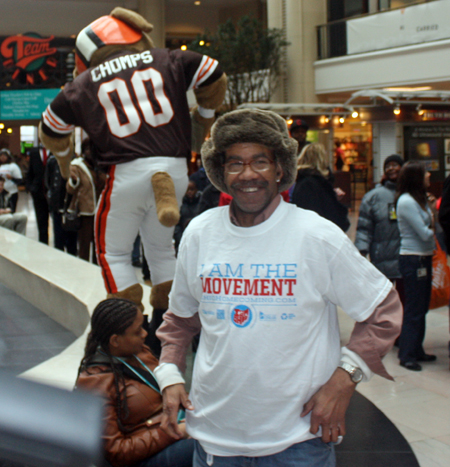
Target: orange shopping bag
[440,292]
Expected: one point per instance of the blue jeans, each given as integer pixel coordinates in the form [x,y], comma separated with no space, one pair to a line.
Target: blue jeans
[416,271]
[311,453]
[179,454]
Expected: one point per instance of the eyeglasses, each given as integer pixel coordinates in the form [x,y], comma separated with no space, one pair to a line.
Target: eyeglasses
[257,165]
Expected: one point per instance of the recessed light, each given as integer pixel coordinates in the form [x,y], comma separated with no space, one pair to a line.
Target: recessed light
[406,89]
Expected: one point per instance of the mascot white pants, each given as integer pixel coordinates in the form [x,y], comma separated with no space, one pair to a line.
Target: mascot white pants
[127,206]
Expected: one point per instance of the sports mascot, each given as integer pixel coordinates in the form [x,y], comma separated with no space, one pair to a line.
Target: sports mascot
[130,97]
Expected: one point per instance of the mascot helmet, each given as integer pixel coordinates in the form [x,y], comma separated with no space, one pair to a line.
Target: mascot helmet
[104,31]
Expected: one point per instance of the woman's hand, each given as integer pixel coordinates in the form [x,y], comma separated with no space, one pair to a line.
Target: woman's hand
[182,428]
[339,193]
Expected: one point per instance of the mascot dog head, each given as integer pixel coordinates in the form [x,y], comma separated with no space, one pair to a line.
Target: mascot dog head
[121,30]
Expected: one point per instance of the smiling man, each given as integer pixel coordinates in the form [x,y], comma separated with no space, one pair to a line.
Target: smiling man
[377,232]
[261,279]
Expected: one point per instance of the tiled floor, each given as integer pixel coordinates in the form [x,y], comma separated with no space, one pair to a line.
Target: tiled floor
[417,403]
[27,335]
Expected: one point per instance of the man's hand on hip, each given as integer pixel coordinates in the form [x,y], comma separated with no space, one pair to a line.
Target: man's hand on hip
[328,406]
[174,397]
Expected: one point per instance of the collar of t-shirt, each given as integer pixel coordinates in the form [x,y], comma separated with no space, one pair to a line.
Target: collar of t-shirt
[262,216]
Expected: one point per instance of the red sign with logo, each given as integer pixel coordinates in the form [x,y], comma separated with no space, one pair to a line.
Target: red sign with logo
[28,53]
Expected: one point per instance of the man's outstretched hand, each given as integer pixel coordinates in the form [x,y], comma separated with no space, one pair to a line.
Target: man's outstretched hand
[174,398]
[328,406]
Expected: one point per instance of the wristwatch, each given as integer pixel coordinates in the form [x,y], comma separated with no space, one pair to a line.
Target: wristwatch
[355,373]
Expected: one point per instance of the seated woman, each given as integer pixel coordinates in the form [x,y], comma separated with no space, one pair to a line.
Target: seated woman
[119,366]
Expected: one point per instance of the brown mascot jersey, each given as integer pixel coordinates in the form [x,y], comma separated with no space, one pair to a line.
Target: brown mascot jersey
[133,105]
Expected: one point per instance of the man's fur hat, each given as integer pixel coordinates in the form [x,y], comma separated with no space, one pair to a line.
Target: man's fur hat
[250,126]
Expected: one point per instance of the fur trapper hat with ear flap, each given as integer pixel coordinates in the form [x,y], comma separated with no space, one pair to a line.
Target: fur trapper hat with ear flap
[250,126]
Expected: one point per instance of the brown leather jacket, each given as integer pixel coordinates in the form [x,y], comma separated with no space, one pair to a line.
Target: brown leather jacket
[145,410]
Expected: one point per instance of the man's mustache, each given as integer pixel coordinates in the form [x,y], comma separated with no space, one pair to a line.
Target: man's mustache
[250,184]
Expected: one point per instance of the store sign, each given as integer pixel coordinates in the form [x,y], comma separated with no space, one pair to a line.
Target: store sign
[429,144]
[28,52]
[25,105]
[436,115]
[396,28]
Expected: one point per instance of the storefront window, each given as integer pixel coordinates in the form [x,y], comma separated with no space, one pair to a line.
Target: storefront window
[353,154]
[429,144]
[356,143]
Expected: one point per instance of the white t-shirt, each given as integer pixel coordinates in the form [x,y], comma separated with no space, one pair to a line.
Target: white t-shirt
[13,170]
[266,298]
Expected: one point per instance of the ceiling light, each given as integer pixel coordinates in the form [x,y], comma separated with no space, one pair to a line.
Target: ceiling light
[342,120]
[397,109]
[289,121]
[201,43]
[355,114]
[2,125]
[9,130]
[419,109]
[406,89]
[197,2]
[183,47]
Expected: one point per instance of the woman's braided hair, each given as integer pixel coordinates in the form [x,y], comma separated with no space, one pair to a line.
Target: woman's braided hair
[110,316]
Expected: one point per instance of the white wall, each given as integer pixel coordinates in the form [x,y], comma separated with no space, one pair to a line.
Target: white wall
[385,143]
[61,18]
[416,64]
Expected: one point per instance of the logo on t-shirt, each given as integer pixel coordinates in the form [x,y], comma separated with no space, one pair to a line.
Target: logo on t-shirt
[241,316]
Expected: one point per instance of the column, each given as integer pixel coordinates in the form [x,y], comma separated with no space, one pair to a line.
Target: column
[154,12]
[299,18]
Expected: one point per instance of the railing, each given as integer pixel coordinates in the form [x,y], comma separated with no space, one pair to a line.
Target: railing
[332,39]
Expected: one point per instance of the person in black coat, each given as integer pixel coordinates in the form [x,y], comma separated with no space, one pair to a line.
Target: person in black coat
[36,186]
[209,199]
[188,211]
[313,189]
[56,193]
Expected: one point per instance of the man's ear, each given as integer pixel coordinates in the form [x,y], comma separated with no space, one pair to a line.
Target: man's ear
[280,172]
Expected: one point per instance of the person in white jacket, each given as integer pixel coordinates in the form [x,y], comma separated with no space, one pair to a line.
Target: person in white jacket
[12,174]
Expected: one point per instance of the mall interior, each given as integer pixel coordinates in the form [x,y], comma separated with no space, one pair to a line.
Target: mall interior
[369,76]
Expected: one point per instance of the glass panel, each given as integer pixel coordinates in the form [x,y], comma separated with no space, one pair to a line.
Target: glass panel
[355,7]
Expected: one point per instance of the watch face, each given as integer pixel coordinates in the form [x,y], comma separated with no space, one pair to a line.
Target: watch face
[357,375]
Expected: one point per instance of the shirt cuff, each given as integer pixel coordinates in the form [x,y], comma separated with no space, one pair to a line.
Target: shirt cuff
[352,358]
[63,153]
[167,374]
[206,113]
